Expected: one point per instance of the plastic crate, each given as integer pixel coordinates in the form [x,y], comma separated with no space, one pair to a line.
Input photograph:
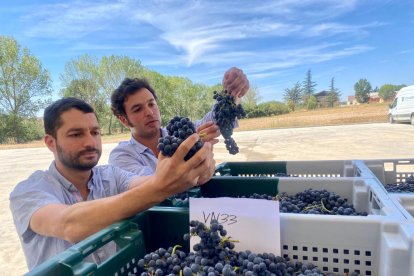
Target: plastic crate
[370,247]
[389,171]
[405,203]
[146,232]
[366,195]
[320,168]
[245,187]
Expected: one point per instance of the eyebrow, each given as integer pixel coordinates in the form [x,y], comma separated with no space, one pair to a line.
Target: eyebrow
[83,129]
[141,104]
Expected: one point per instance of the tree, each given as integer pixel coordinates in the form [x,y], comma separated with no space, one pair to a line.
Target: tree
[312,102]
[333,94]
[94,81]
[362,89]
[25,88]
[112,71]
[308,87]
[81,80]
[85,89]
[292,96]
[388,91]
[251,99]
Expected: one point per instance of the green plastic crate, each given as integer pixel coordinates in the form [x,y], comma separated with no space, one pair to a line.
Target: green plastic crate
[230,186]
[234,186]
[146,232]
[317,168]
[251,168]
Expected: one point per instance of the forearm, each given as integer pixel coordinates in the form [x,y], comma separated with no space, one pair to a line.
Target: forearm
[208,117]
[86,218]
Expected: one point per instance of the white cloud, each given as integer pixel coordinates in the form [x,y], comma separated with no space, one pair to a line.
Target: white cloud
[267,38]
[196,30]
[405,52]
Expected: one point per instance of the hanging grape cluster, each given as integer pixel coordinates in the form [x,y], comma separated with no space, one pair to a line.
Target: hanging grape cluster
[179,129]
[225,112]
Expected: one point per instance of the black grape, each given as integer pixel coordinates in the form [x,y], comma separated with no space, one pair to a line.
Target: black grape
[179,129]
[225,112]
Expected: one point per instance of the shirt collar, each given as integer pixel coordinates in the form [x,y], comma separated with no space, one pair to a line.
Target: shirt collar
[66,183]
[140,147]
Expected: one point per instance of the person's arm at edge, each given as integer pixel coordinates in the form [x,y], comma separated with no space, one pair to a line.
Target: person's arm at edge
[76,222]
[234,81]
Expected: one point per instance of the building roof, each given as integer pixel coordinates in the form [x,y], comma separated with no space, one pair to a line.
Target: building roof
[323,93]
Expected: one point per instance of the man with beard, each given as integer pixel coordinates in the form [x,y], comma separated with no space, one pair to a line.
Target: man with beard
[74,198]
[134,103]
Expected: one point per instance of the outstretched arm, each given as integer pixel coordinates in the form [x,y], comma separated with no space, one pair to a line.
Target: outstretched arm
[173,175]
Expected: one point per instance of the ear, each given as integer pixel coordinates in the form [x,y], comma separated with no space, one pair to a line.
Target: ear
[123,121]
[50,142]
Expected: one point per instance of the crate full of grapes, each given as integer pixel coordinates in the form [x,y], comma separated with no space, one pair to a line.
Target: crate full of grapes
[397,175]
[156,242]
[351,196]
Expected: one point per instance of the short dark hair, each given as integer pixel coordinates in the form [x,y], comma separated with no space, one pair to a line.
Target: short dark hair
[126,88]
[51,117]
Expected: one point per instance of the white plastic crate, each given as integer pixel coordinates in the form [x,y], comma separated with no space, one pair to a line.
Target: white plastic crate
[389,171]
[405,203]
[366,195]
[347,244]
[317,168]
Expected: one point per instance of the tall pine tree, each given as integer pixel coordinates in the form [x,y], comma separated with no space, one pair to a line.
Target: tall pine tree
[308,87]
[333,95]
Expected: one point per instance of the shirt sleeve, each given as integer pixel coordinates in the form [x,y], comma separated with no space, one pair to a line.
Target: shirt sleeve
[28,197]
[128,161]
[209,117]
[123,178]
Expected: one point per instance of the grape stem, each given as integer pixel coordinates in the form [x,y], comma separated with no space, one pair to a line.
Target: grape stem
[174,248]
[324,208]
[223,240]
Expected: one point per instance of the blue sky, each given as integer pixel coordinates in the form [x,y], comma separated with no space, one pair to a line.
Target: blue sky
[274,42]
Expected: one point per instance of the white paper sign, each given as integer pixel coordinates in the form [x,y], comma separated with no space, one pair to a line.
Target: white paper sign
[255,223]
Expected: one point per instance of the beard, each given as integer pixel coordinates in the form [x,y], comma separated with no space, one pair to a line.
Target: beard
[73,160]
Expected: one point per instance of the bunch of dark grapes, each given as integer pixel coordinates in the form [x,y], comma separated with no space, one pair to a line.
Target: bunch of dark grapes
[225,112]
[319,202]
[215,255]
[179,129]
[401,187]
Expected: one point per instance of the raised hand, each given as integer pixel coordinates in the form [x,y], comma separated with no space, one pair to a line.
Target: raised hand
[235,82]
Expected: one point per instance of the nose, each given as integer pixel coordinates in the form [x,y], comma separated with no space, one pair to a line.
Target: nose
[148,111]
[90,140]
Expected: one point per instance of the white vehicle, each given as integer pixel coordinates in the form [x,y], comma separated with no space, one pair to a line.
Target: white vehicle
[402,109]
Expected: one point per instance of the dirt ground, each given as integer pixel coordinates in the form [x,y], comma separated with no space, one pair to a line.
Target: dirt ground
[361,141]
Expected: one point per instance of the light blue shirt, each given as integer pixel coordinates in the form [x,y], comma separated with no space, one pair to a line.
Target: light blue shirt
[50,187]
[135,157]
